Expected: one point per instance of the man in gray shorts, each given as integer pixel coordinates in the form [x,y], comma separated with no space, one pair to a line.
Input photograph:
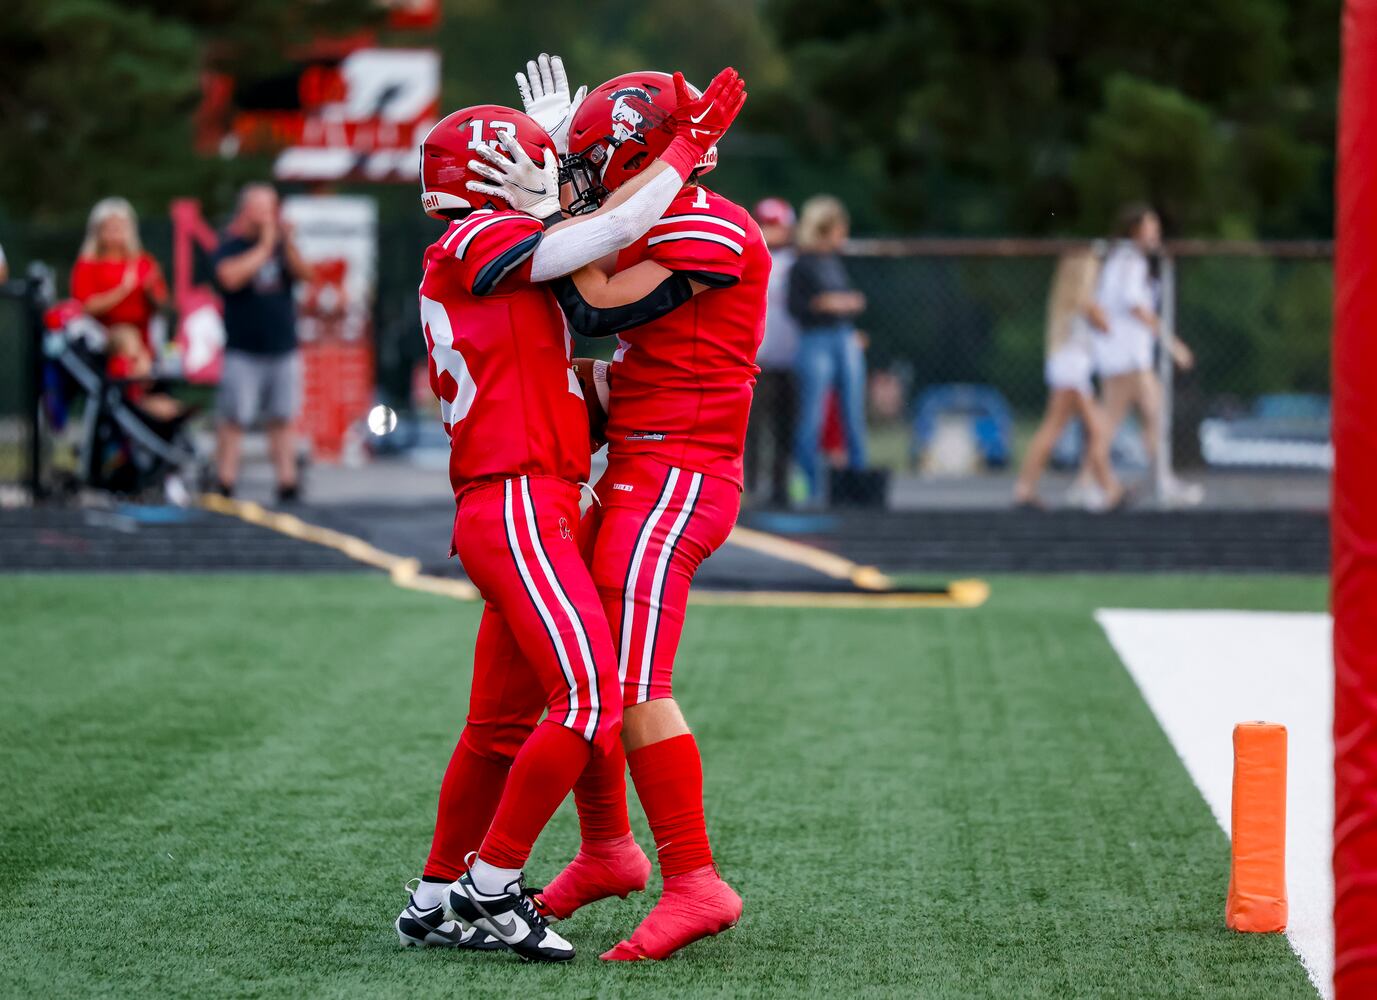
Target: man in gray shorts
[256,266]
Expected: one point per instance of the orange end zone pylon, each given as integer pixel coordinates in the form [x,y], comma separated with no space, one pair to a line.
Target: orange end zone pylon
[1257,874]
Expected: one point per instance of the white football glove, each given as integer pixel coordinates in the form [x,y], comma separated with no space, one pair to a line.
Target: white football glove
[544,91]
[519,181]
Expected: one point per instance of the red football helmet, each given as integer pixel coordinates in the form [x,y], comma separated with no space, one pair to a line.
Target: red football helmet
[617,132]
[447,149]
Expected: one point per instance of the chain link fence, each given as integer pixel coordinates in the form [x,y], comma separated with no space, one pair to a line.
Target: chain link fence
[954,340]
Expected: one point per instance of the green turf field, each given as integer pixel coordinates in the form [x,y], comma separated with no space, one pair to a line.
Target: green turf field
[216,786]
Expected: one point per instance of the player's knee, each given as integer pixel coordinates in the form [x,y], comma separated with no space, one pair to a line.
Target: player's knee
[609,729]
[496,741]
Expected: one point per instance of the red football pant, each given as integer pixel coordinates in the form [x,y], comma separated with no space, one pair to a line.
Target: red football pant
[543,644]
[506,700]
[655,526]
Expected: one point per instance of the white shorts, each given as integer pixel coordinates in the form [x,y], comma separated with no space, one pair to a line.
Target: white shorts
[1070,367]
[1122,351]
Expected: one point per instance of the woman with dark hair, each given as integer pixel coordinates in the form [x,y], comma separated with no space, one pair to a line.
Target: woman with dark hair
[1128,298]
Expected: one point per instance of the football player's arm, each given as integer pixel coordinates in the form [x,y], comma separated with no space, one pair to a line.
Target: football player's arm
[570,244]
[599,305]
[634,207]
[576,242]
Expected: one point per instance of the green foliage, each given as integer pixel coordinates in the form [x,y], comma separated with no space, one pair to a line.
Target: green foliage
[1257,325]
[1150,143]
[1038,116]
[989,116]
[97,96]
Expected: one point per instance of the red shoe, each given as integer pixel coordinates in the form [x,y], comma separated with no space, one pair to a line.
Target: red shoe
[694,905]
[602,868]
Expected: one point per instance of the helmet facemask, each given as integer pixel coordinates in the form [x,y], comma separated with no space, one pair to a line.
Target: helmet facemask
[583,173]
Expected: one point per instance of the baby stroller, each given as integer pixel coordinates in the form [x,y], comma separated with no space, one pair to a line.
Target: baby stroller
[121,448]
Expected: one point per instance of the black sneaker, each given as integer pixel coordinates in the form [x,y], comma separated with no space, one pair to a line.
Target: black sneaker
[510,917]
[418,927]
[289,494]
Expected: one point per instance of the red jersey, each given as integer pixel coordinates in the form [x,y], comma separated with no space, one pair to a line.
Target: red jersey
[93,275]
[681,384]
[498,355]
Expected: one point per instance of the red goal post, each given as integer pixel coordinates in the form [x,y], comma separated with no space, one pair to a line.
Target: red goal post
[1353,522]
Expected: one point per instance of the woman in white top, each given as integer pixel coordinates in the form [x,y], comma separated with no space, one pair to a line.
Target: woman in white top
[1123,356]
[1074,323]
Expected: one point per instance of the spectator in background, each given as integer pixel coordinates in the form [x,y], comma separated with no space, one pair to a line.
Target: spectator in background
[4,267]
[825,303]
[256,265]
[113,278]
[1124,354]
[131,363]
[769,435]
[1072,315]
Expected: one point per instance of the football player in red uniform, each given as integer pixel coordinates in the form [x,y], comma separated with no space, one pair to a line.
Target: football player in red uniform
[687,301]
[499,363]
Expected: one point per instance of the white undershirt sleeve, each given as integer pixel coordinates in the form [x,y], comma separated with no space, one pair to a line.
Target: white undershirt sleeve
[568,248]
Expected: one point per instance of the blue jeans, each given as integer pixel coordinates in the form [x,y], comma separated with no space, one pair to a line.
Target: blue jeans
[829,356]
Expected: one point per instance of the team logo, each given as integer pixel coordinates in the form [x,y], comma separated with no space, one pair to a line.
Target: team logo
[634,114]
[564,531]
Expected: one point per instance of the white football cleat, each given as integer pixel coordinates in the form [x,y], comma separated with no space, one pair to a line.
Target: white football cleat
[510,917]
[419,927]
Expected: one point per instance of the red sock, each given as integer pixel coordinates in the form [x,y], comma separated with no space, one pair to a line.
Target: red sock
[669,783]
[469,794]
[601,796]
[545,769]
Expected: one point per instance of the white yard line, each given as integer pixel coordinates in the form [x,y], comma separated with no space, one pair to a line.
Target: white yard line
[1203,671]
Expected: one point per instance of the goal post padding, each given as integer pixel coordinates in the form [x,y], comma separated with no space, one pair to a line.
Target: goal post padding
[1353,521]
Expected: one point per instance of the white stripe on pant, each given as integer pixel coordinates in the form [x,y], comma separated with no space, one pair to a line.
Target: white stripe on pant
[658,577]
[556,638]
[585,652]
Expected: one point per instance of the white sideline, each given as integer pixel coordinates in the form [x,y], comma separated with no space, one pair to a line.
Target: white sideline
[1203,671]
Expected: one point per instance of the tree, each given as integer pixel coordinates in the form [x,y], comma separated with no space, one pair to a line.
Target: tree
[97,97]
[1035,115]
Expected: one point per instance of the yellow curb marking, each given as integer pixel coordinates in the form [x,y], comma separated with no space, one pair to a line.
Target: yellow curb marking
[406,572]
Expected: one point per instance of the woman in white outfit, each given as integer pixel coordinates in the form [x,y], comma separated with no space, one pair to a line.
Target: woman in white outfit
[1074,323]
[1124,355]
